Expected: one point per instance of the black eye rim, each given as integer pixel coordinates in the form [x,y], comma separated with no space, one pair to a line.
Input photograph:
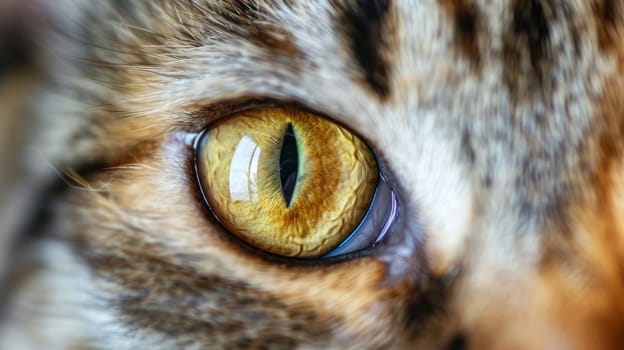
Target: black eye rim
[257,252]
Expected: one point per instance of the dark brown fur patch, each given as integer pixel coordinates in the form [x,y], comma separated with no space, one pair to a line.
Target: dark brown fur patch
[526,45]
[608,21]
[365,24]
[246,19]
[465,17]
[200,306]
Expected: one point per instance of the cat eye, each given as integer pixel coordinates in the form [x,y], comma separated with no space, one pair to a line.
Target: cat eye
[293,183]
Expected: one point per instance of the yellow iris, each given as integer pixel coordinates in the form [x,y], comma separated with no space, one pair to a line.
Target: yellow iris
[286,181]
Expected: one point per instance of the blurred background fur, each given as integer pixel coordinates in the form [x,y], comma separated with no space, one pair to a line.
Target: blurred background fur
[20,22]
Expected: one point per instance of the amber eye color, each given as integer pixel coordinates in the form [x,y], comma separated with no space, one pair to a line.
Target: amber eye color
[286,181]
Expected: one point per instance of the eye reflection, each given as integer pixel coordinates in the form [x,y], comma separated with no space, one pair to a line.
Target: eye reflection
[244,170]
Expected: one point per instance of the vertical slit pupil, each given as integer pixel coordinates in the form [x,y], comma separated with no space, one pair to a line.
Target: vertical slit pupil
[289,164]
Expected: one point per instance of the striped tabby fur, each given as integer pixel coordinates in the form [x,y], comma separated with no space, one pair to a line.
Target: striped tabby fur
[500,122]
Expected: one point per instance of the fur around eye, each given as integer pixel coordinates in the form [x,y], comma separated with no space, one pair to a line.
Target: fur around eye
[291,183]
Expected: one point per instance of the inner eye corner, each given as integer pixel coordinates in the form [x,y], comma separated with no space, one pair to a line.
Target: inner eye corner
[232,158]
